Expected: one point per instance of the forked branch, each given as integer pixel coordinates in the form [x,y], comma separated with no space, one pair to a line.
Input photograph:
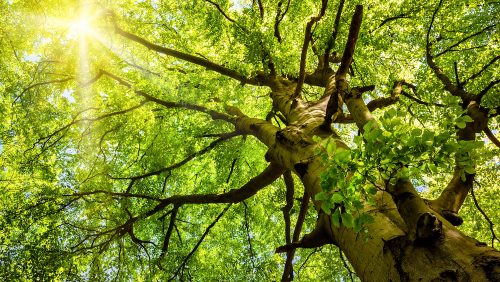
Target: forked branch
[455,90]
[279,17]
[207,230]
[288,270]
[169,168]
[305,46]
[214,114]
[338,86]
[331,41]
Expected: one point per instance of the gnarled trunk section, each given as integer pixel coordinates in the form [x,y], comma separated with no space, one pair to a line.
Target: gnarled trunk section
[408,241]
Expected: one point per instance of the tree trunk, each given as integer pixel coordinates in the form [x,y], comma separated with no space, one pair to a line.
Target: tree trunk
[390,254]
[408,240]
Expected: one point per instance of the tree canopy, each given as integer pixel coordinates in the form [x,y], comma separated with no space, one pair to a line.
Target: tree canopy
[202,139]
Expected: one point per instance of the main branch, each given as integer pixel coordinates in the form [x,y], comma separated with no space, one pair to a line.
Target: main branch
[188,58]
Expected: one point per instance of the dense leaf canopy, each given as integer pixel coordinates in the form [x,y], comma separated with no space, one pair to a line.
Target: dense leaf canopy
[108,108]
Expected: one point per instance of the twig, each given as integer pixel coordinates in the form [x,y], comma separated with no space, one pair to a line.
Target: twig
[316,250]
[490,223]
[231,170]
[247,228]
[305,45]
[221,11]
[491,136]
[207,230]
[279,18]
[288,270]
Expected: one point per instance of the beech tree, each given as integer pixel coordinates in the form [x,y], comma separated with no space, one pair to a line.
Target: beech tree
[249,140]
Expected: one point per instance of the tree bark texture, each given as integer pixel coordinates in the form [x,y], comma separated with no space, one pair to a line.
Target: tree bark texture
[408,241]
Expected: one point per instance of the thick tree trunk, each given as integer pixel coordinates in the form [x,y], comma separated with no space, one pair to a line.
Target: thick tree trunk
[391,254]
[408,240]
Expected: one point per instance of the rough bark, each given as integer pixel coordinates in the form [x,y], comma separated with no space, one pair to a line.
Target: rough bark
[408,241]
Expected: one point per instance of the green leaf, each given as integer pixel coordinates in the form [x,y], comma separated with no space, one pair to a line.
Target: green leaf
[461,124]
[347,220]
[343,155]
[331,147]
[467,118]
[327,206]
[416,132]
[370,189]
[321,196]
[358,140]
[470,170]
[336,218]
[337,198]
[385,161]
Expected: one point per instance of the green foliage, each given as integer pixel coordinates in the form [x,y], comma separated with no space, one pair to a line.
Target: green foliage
[384,153]
[58,137]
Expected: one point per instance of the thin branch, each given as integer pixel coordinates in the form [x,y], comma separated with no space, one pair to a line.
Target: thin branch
[148,71]
[43,83]
[44,140]
[210,135]
[175,165]
[231,170]
[390,19]
[214,114]
[247,228]
[463,40]
[455,90]
[166,240]
[279,18]
[287,176]
[288,269]
[261,9]
[305,45]
[332,40]
[316,250]
[491,136]
[189,58]
[455,68]
[207,230]
[92,80]
[486,89]
[404,93]
[490,223]
[221,11]
[78,195]
[481,71]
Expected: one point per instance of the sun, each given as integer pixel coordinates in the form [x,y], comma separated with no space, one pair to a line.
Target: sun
[81,26]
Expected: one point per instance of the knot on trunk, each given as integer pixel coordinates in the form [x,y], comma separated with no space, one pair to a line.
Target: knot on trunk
[429,229]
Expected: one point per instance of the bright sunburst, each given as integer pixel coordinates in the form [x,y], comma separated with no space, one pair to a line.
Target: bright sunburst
[81,26]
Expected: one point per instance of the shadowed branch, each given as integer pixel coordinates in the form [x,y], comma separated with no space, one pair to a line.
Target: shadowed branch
[188,58]
[207,230]
[305,45]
